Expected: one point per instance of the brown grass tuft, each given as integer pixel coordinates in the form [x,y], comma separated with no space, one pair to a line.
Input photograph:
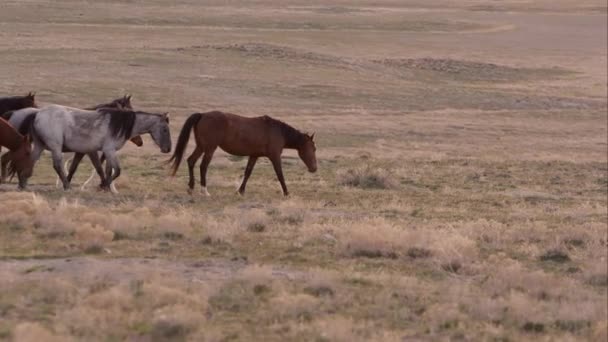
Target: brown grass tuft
[367,177]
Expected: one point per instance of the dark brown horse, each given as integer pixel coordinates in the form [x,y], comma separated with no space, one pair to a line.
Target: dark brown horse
[11,103]
[19,151]
[254,137]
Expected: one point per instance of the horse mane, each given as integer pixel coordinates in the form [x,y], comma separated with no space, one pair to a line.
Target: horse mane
[11,168]
[104,105]
[293,137]
[121,121]
[124,102]
[13,98]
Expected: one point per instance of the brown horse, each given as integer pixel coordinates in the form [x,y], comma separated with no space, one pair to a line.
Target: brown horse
[12,103]
[8,104]
[20,152]
[254,137]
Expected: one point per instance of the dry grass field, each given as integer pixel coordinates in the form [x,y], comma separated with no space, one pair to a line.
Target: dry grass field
[461,192]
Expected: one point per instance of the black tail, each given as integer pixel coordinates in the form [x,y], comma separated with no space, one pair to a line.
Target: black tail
[7,116]
[27,126]
[182,141]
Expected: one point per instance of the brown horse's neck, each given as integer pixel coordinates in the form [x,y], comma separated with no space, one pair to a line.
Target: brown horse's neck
[293,137]
[9,137]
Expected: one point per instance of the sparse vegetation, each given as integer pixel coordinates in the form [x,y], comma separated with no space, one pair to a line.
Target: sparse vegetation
[460,193]
[367,177]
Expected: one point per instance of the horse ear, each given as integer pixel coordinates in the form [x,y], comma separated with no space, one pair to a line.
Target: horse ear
[128,97]
[312,137]
[31,95]
[26,139]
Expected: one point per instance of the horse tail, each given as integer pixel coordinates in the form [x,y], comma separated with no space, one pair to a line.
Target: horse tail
[182,141]
[27,125]
[7,115]
[11,167]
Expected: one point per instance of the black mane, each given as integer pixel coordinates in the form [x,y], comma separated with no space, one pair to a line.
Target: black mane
[121,121]
[120,102]
[293,137]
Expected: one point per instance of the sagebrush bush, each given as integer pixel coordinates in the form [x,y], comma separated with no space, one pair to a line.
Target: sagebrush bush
[367,177]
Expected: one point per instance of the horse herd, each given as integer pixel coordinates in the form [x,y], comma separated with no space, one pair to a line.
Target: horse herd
[99,132]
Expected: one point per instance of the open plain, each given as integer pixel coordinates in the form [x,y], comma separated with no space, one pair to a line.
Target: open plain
[461,191]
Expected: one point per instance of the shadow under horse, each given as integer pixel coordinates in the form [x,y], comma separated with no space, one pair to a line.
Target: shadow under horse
[241,136]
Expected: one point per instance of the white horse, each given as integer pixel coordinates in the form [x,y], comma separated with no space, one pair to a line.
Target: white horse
[64,129]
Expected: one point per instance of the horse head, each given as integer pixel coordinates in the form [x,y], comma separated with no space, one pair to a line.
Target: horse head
[125,102]
[307,152]
[29,100]
[161,134]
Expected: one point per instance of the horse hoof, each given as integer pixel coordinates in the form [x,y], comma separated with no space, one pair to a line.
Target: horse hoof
[205,192]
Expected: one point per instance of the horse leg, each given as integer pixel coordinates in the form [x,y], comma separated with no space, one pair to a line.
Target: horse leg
[112,185]
[111,164]
[248,170]
[95,171]
[65,166]
[191,163]
[58,166]
[278,169]
[74,165]
[94,157]
[4,164]
[204,165]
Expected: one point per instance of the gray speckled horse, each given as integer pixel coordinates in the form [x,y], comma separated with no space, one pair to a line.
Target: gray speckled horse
[17,116]
[64,129]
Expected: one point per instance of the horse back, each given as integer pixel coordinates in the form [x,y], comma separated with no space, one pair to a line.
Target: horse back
[239,135]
